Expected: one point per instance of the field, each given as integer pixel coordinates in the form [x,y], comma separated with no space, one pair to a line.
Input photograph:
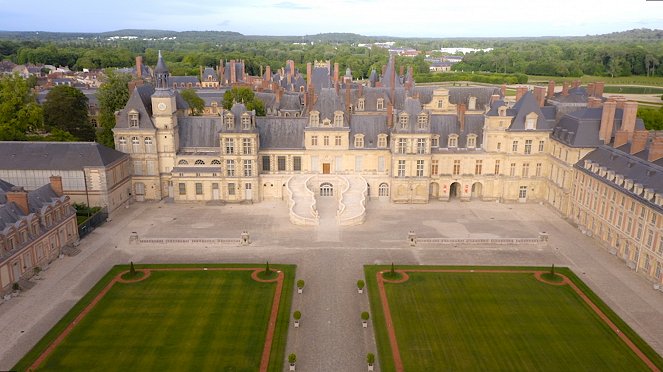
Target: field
[172,318]
[470,320]
[620,80]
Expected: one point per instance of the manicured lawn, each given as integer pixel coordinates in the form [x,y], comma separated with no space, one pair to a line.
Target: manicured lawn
[175,320]
[496,321]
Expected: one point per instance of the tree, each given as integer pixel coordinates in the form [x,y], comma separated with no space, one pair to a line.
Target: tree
[19,112]
[113,96]
[66,108]
[196,104]
[245,96]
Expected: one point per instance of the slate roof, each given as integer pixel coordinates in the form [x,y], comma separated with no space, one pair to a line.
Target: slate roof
[327,103]
[445,125]
[56,155]
[207,72]
[281,132]
[199,131]
[140,101]
[581,128]
[370,126]
[321,78]
[177,81]
[525,106]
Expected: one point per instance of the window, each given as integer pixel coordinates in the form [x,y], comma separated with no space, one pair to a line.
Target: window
[514,146]
[497,167]
[338,119]
[337,141]
[541,145]
[122,141]
[229,121]
[382,140]
[381,164]
[402,146]
[380,104]
[231,188]
[435,141]
[247,146]
[182,162]
[401,168]
[359,163]
[325,140]
[471,141]
[402,120]
[199,188]
[138,167]
[420,168]
[499,146]
[230,145]
[280,161]
[135,143]
[314,140]
[230,168]
[456,169]
[359,141]
[453,140]
[246,121]
[528,146]
[383,189]
[478,165]
[360,104]
[133,119]
[434,167]
[538,169]
[525,170]
[530,121]
[314,119]
[512,170]
[216,162]
[248,168]
[522,192]
[148,144]
[297,163]
[421,145]
[182,187]
[266,165]
[422,121]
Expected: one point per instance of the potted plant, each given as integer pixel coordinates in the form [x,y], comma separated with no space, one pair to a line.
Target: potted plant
[364,319]
[292,358]
[360,286]
[300,286]
[297,315]
[370,359]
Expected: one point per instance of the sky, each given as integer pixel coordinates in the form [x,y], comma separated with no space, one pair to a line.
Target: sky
[413,18]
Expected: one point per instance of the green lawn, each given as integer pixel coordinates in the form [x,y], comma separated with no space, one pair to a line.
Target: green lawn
[174,320]
[620,80]
[492,321]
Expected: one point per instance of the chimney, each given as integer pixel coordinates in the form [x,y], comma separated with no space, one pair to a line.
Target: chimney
[18,196]
[656,149]
[309,72]
[360,90]
[139,67]
[335,73]
[292,67]
[590,90]
[461,116]
[233,72]
[503,90]
[279,95]
[565,89]
[222,73]
[620,101]
[56,184]
[551,88]
[348,101]
[639,141]
[390,115]
[392,88]
[621,138]
[311,97]
[607,121]
[598,89]
[494,98]
[268,73]
[520,91]
[201,73]
[628,118]
[540,94]
[593,102]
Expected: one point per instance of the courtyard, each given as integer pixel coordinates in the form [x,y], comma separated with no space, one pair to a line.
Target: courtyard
[330,259]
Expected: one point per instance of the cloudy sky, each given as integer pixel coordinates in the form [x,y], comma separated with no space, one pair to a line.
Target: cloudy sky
[426,18]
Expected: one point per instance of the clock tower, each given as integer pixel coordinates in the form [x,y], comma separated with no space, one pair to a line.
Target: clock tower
[164,110]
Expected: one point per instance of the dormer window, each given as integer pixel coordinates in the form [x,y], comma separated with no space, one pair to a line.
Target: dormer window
[338,119]
[230,121]
[380,104]
[246,121]
[402,120]
[440,104]
[530,121]
[314,119]
[359,141]
[501,111]
[435,141]
[133,119]
[382,140]
[471,141]
[453,140]
[360,104]
[422,121]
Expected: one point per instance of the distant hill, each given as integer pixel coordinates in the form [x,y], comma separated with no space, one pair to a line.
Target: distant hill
[643,34]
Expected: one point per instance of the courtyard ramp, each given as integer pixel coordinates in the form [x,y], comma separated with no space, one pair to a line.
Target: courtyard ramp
[301,201]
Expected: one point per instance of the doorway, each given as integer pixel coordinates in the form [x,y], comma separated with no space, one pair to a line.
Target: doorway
[326,189]
[477,189]
[454,190]
[326,168]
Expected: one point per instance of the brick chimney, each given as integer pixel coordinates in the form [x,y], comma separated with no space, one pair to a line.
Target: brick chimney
[291,63]
[56,184]
[598,89]
[390,115]
[590,90]
[18,196]
[565,89]
[233,72]
[607,121]
[628,118]
[520,92]
[222,73]
[620,101]
[335,73]
[494,98]
[551,89]
[268,73]
[139,67]
[348,97]
[309,72]
[503,90]
[461,116]
[279,95]
[639,141]
[540,94]
[360,90]
[593,102]
[656,149]
[621,138]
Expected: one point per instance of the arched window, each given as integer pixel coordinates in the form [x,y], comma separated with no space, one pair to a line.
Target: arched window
[216,162]
[182,162]
[326,189]
[199,162]
[383,189]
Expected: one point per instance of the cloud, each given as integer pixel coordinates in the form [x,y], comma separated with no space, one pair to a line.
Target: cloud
[291,5]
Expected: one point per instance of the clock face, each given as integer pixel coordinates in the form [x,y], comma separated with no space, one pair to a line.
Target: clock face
[161,106]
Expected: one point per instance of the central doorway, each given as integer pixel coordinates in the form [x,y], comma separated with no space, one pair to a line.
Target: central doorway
[326,189]
[454,190]
[326,168]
